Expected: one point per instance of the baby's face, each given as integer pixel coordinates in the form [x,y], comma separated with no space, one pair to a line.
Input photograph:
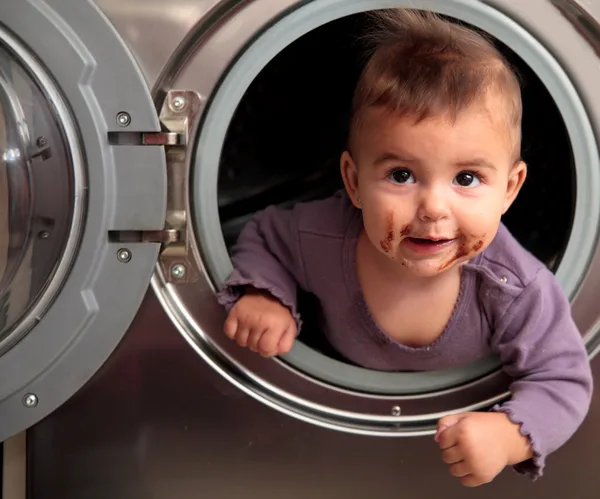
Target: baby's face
[432,194]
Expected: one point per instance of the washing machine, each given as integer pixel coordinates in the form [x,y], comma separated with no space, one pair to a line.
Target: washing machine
[137,138]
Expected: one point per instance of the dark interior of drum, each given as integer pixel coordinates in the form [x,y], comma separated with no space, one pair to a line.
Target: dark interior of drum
[285,139]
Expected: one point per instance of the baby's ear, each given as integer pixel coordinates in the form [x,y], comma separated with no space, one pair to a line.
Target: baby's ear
[350,176]
[516,178]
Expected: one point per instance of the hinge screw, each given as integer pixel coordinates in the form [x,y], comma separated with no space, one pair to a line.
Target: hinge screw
[178,103]
[178,271]
[123,118]
[124,255]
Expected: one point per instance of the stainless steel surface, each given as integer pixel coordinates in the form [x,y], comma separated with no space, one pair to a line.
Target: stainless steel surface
[157,421]
[139,23]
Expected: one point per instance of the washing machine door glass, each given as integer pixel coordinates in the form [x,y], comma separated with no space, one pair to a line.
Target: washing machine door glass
[36,199]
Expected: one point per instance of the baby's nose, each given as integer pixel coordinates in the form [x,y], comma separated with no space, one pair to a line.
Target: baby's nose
[433,207]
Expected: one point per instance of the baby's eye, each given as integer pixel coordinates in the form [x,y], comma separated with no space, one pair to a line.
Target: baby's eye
[467,179]
[401,176]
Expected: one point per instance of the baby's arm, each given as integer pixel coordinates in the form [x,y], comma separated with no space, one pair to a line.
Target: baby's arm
[260,293]
[542,350]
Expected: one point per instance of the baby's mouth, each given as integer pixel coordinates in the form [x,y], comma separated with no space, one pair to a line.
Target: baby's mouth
[432,241]
[427,245]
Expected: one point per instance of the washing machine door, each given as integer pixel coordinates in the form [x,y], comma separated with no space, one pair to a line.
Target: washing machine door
[82,201]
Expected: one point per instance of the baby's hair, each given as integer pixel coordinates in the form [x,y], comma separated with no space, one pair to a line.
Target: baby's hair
[421,66]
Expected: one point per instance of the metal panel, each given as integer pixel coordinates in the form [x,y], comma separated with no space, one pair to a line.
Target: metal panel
[159,423]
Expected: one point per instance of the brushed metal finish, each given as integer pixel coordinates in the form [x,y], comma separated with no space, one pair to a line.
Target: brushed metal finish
[158,422]
[153,30]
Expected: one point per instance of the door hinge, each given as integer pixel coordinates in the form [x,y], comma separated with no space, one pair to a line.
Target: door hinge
[179,113]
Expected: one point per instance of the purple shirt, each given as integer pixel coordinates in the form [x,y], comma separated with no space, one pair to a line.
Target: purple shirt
[509,305]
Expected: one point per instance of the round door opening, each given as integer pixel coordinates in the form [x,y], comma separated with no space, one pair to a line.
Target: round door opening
[272,131]
[284,143]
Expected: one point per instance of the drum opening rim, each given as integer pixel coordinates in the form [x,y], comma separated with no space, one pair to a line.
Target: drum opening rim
[288,28]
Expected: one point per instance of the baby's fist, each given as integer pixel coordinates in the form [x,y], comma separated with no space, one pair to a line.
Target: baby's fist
[260,322]
[479,445]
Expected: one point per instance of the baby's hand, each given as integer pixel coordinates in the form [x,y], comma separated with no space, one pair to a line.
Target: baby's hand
[479,445]
[261,323]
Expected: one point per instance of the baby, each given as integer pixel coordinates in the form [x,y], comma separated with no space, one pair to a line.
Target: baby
[411,264]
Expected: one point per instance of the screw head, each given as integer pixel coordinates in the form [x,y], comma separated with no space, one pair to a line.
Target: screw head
[124,255]
[396,411]
[41,141]
[30,400]
[178,271]
[43,234]
[123,118]
[178,103]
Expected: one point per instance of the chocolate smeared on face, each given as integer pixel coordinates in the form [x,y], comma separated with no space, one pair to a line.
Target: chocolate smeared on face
[406,230]
[468,246]
[386,244]
[478,246]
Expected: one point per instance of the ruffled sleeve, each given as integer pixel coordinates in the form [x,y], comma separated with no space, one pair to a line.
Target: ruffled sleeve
[542,350]
[267,256]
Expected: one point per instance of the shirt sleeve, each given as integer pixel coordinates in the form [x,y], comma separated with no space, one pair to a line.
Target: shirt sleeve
[267,256]
[543,351]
